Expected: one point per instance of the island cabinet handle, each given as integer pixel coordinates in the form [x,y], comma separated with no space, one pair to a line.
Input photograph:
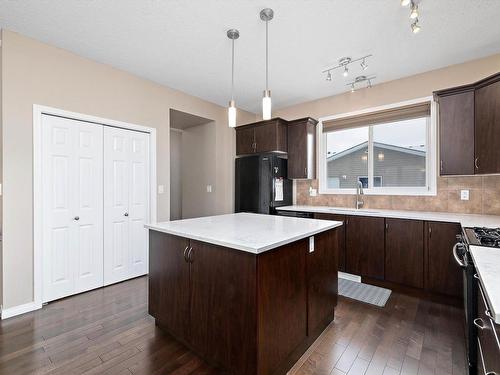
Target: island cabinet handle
[185,253]
[190,255]
[478,322]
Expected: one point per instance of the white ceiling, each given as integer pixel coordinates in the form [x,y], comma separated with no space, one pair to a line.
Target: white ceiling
[183,44]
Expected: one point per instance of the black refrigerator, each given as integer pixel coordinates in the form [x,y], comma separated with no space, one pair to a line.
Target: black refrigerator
[261,183]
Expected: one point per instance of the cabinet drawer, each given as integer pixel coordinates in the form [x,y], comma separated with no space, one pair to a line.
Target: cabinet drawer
[489,347]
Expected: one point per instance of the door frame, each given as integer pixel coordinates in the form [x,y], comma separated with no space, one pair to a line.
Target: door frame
[38,112]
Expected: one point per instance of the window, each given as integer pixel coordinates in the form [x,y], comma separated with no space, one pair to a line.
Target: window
[390,151]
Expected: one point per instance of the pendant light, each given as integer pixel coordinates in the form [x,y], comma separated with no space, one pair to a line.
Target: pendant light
[266,15]
[232,34]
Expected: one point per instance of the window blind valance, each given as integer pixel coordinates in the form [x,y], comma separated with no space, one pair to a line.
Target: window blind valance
[406,112]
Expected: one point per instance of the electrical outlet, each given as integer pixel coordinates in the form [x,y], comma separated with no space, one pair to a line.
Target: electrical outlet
[209,188]
[313,192]
[464,195]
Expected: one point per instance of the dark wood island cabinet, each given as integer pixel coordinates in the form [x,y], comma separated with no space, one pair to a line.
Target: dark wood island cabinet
[245,313]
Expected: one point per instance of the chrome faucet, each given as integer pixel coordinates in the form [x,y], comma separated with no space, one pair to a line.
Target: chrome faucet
[359,193]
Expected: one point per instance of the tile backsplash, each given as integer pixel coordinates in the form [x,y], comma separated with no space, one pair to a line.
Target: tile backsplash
[484,197]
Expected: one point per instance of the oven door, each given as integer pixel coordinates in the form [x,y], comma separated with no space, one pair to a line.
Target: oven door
[464,261]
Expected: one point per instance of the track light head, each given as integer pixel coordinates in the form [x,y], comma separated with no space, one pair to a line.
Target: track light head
[405,3]
[415,27]
[352,87]
[329,76]
[369,85]
[414,11]
[364,65]
[346,71]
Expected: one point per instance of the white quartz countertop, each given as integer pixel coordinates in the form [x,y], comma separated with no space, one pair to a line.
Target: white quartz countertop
[487,262]
[253,233]
[466,220]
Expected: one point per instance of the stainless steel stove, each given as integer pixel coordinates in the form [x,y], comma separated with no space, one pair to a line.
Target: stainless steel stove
[489,237]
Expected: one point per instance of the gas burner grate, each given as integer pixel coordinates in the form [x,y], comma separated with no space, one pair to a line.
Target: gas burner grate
[488,236]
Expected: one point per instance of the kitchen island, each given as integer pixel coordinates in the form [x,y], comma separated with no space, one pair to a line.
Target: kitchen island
[249,293]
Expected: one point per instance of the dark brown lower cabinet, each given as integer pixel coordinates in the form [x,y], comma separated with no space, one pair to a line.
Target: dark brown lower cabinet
[488,350]
[246,313]
[442,274]
[404,252]
[340,235]
[365,246]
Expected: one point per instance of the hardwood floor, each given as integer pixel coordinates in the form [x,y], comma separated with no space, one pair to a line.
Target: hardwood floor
[108,331]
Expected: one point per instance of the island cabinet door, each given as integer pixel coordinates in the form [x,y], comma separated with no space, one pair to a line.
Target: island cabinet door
[322,280]
[365,246]
[169,283]
[223,306]
[282,304]
[340,236]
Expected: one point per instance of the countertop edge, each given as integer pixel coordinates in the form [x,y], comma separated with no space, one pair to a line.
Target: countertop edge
[247,249]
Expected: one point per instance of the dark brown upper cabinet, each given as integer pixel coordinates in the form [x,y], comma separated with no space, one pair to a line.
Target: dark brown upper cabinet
[456,132]
[469,131]
[302,148]
[262,136]
[487,134]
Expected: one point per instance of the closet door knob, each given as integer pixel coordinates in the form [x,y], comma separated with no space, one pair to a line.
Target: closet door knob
[77,218]
[125,214]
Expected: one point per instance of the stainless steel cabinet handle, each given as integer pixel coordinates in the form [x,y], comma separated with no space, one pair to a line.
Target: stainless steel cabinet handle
[125,214]
[476,163]
[77,218]
[478,322]
[457,259]
[305,171]
[190,255]
[488,314]
[185,251]
[476,276]
[491,373]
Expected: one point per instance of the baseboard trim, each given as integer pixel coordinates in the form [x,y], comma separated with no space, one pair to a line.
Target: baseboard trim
[20,309]
[348,276]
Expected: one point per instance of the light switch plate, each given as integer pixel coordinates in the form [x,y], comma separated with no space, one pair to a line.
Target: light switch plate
[464,195]
[311,244]
[161,189]
[313,192]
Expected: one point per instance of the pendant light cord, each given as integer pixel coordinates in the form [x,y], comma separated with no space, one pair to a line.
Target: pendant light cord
[267,56]
[232,71]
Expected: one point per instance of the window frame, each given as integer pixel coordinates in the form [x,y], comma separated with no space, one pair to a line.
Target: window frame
[431,157]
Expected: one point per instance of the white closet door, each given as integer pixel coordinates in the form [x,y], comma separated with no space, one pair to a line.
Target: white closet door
[139,202]
[72,206]
[89,202]
[116,196]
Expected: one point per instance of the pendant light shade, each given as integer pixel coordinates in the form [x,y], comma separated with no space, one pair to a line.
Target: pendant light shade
[231,114]
[266,15]
[232,34]
[266,105]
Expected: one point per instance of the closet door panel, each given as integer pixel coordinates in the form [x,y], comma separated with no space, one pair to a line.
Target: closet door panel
[116,201]
[58,208]
[89,201]
[139,202]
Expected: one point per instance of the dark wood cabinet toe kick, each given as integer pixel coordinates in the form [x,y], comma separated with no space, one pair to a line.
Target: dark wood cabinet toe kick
[245,313]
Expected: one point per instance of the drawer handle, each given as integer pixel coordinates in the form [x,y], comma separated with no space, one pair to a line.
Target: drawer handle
[488,314]
[479,323]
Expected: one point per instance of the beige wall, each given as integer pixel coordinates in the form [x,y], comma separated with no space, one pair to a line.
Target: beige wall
[197,166]
[36,73]
[175,175]
[484,191]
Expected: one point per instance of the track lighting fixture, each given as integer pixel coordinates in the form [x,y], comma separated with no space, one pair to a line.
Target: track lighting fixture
[414,11]
[360,79]
[415,27]
[344,63]
[405,3]
[232,34]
